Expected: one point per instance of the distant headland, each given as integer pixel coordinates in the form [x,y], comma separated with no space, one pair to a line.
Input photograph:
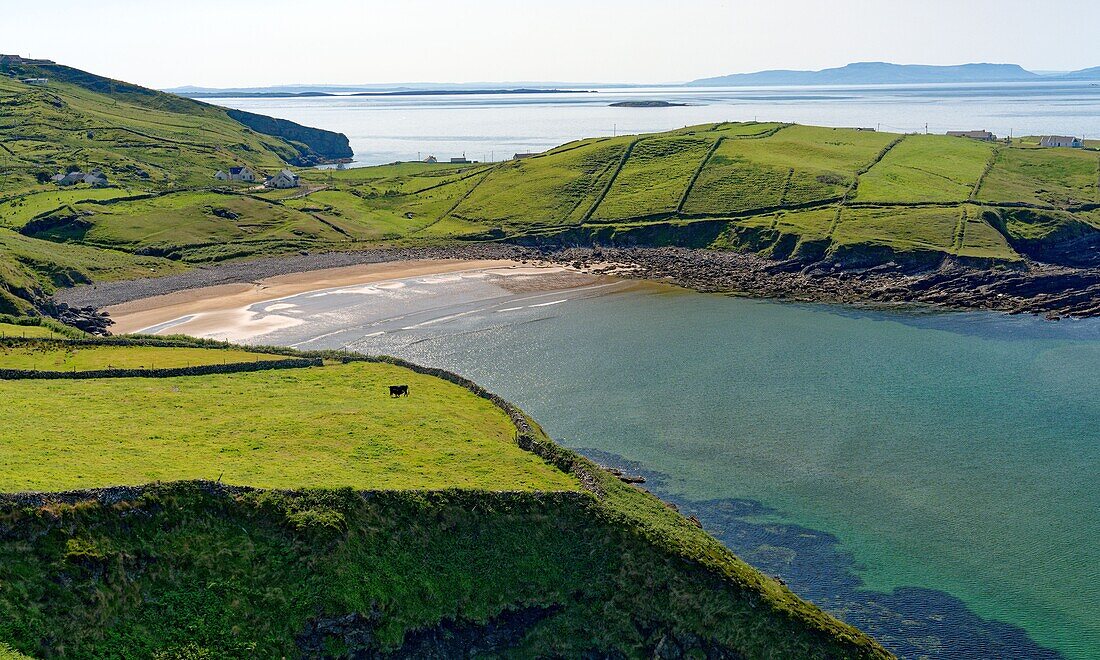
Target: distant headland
[885,73]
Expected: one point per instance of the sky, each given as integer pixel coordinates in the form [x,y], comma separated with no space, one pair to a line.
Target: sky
[240,44]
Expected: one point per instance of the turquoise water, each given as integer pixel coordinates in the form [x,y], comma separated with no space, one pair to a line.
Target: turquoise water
[946,460]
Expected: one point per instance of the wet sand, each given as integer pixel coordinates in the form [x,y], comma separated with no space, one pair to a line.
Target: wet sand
[223,311]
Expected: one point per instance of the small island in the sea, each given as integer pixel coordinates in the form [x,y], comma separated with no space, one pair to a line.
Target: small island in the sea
[646,104]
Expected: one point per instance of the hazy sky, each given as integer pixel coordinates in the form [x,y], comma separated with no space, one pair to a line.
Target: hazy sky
[244,43]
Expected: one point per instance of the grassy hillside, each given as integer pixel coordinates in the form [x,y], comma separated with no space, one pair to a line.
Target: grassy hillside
[440,524]
[843,196]
[31,268]
[148,144]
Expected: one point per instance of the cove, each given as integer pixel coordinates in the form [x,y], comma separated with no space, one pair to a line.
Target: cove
[945,463]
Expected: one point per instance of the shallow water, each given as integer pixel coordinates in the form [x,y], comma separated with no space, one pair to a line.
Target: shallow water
[493,127]
[930,477]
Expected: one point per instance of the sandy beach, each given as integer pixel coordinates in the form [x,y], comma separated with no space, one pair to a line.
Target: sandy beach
[224,310]
[225,305]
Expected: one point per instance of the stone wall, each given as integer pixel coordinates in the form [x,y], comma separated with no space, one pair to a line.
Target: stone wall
[197,370]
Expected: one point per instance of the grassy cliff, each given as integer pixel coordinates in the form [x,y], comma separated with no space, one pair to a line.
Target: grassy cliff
[441,524]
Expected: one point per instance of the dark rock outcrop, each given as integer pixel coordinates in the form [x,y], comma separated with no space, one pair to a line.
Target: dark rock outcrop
[314,145]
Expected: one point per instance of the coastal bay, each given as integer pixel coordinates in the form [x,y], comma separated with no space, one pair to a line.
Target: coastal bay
[963,507]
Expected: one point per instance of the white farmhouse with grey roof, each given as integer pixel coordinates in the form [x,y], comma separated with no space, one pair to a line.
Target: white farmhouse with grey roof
[284,179]
[1061,141]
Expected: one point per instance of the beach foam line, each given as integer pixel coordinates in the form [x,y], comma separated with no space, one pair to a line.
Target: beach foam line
[154,329]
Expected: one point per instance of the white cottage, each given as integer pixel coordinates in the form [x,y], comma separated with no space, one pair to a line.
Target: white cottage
[1061,141]
[284,179]
[242,174]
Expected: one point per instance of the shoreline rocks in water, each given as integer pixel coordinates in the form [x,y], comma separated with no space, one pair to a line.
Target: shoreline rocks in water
[1052,291]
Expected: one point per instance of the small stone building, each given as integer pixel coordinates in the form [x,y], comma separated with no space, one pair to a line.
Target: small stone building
[72,178]
[96,179]
[984,136]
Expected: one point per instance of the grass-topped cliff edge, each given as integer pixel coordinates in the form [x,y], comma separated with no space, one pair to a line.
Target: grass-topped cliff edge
[234,514]
[803,198]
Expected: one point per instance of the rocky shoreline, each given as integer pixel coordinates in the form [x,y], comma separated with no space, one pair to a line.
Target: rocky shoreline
[1051,291]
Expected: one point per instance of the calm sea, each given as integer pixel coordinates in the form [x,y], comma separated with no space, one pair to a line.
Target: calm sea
[929,477]
[493,127]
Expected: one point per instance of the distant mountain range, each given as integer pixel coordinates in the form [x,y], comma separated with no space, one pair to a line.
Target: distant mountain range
[1084,74]
[884,73]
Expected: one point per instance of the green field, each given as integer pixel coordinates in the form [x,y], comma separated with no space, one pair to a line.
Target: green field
[28,331]
[54,356]
[1055,177]
[329,427]
[544,190]
[654,177]
[926,168]
[798,165]
[17,211]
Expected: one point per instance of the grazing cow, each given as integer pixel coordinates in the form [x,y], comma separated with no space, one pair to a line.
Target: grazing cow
[399,390]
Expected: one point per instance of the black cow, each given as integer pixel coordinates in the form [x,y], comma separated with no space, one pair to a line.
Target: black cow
[399,390]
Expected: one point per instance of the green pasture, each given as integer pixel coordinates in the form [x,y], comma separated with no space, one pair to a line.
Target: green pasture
[333,426]
[654,177]
[1054,177]
[64,356]
[926,168]
[28,331]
